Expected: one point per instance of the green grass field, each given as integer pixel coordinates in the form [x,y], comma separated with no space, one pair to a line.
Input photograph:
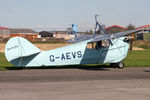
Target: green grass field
[147,36]
[133,59]
[3,62]
[138,58]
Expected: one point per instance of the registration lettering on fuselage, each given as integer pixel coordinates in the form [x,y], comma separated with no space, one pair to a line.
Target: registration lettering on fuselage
[66,56]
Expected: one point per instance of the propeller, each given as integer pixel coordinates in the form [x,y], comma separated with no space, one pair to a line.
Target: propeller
[131,44]
[130,41]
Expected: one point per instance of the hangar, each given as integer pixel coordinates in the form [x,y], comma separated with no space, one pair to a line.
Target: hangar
[115,29]
[4,30]
[4,33]
[46,34]
[144,34]
[26,33]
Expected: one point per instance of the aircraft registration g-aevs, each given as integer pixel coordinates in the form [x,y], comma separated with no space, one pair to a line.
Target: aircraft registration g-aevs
[89,49]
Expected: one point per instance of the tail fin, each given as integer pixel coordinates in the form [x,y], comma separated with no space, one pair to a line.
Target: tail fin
[18,47]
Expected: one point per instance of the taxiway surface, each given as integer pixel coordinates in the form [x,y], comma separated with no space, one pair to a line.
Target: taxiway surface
[76,84]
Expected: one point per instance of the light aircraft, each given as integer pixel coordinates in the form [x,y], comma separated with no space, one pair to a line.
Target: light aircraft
[89,49]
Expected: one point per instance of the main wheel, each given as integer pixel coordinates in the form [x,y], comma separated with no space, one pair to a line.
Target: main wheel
[120,65]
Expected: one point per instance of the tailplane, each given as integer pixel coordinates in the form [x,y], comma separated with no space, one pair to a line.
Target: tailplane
[18,47]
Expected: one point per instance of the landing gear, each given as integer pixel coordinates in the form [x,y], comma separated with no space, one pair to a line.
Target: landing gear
[113,65]
[119,65]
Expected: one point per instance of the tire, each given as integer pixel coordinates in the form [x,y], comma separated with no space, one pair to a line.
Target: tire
[120,65]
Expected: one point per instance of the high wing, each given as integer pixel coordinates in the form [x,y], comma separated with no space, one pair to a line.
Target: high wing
[104,36]
[80,38]
[101,37]
[112,36]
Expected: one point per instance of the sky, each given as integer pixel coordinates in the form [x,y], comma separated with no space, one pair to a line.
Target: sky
[59,14]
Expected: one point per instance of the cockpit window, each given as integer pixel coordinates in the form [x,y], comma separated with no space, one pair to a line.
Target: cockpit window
[98,44]
[91,45]
[105,43]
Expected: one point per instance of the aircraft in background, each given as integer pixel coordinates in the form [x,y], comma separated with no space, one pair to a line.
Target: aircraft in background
[89,49]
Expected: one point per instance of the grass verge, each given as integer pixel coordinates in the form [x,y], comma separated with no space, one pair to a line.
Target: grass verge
[138,58]
[3,62]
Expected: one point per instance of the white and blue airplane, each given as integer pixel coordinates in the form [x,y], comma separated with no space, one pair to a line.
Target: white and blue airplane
[89,49]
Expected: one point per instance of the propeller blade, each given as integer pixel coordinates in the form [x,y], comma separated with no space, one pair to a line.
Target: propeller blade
[131,44]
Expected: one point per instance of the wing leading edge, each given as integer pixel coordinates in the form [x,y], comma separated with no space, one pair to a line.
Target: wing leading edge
[101,37]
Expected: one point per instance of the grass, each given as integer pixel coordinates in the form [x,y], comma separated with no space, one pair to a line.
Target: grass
[147,36]
[3,62]
[133,59]
[142,44]
[138,58]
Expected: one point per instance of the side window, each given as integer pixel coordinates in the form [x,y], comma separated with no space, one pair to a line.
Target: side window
[105,43]
[91,45]
[98,44]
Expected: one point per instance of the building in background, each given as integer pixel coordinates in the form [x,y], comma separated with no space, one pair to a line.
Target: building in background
[22,31]
[62,35]
[58,35]
[4,33]
[144,34]
[45,34]
[29,34]
[4,30]
[115,29]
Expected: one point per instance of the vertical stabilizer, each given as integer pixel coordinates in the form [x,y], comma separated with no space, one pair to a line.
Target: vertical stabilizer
[18,47]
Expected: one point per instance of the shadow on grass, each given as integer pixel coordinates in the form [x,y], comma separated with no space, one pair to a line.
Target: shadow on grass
[82,67]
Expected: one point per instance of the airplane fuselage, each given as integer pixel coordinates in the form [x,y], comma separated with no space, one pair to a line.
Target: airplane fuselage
[79,53]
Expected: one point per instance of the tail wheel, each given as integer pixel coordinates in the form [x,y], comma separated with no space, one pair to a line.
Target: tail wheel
[120,65]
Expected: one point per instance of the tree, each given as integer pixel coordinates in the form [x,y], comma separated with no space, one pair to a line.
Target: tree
[89,32]
[130,27]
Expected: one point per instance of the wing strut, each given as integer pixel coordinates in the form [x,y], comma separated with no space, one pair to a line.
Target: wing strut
[98,25]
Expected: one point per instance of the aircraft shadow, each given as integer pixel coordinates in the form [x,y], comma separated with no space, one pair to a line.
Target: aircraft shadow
[147,71]
[82,67]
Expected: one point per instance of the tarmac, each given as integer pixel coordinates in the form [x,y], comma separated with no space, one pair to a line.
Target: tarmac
[76,84]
